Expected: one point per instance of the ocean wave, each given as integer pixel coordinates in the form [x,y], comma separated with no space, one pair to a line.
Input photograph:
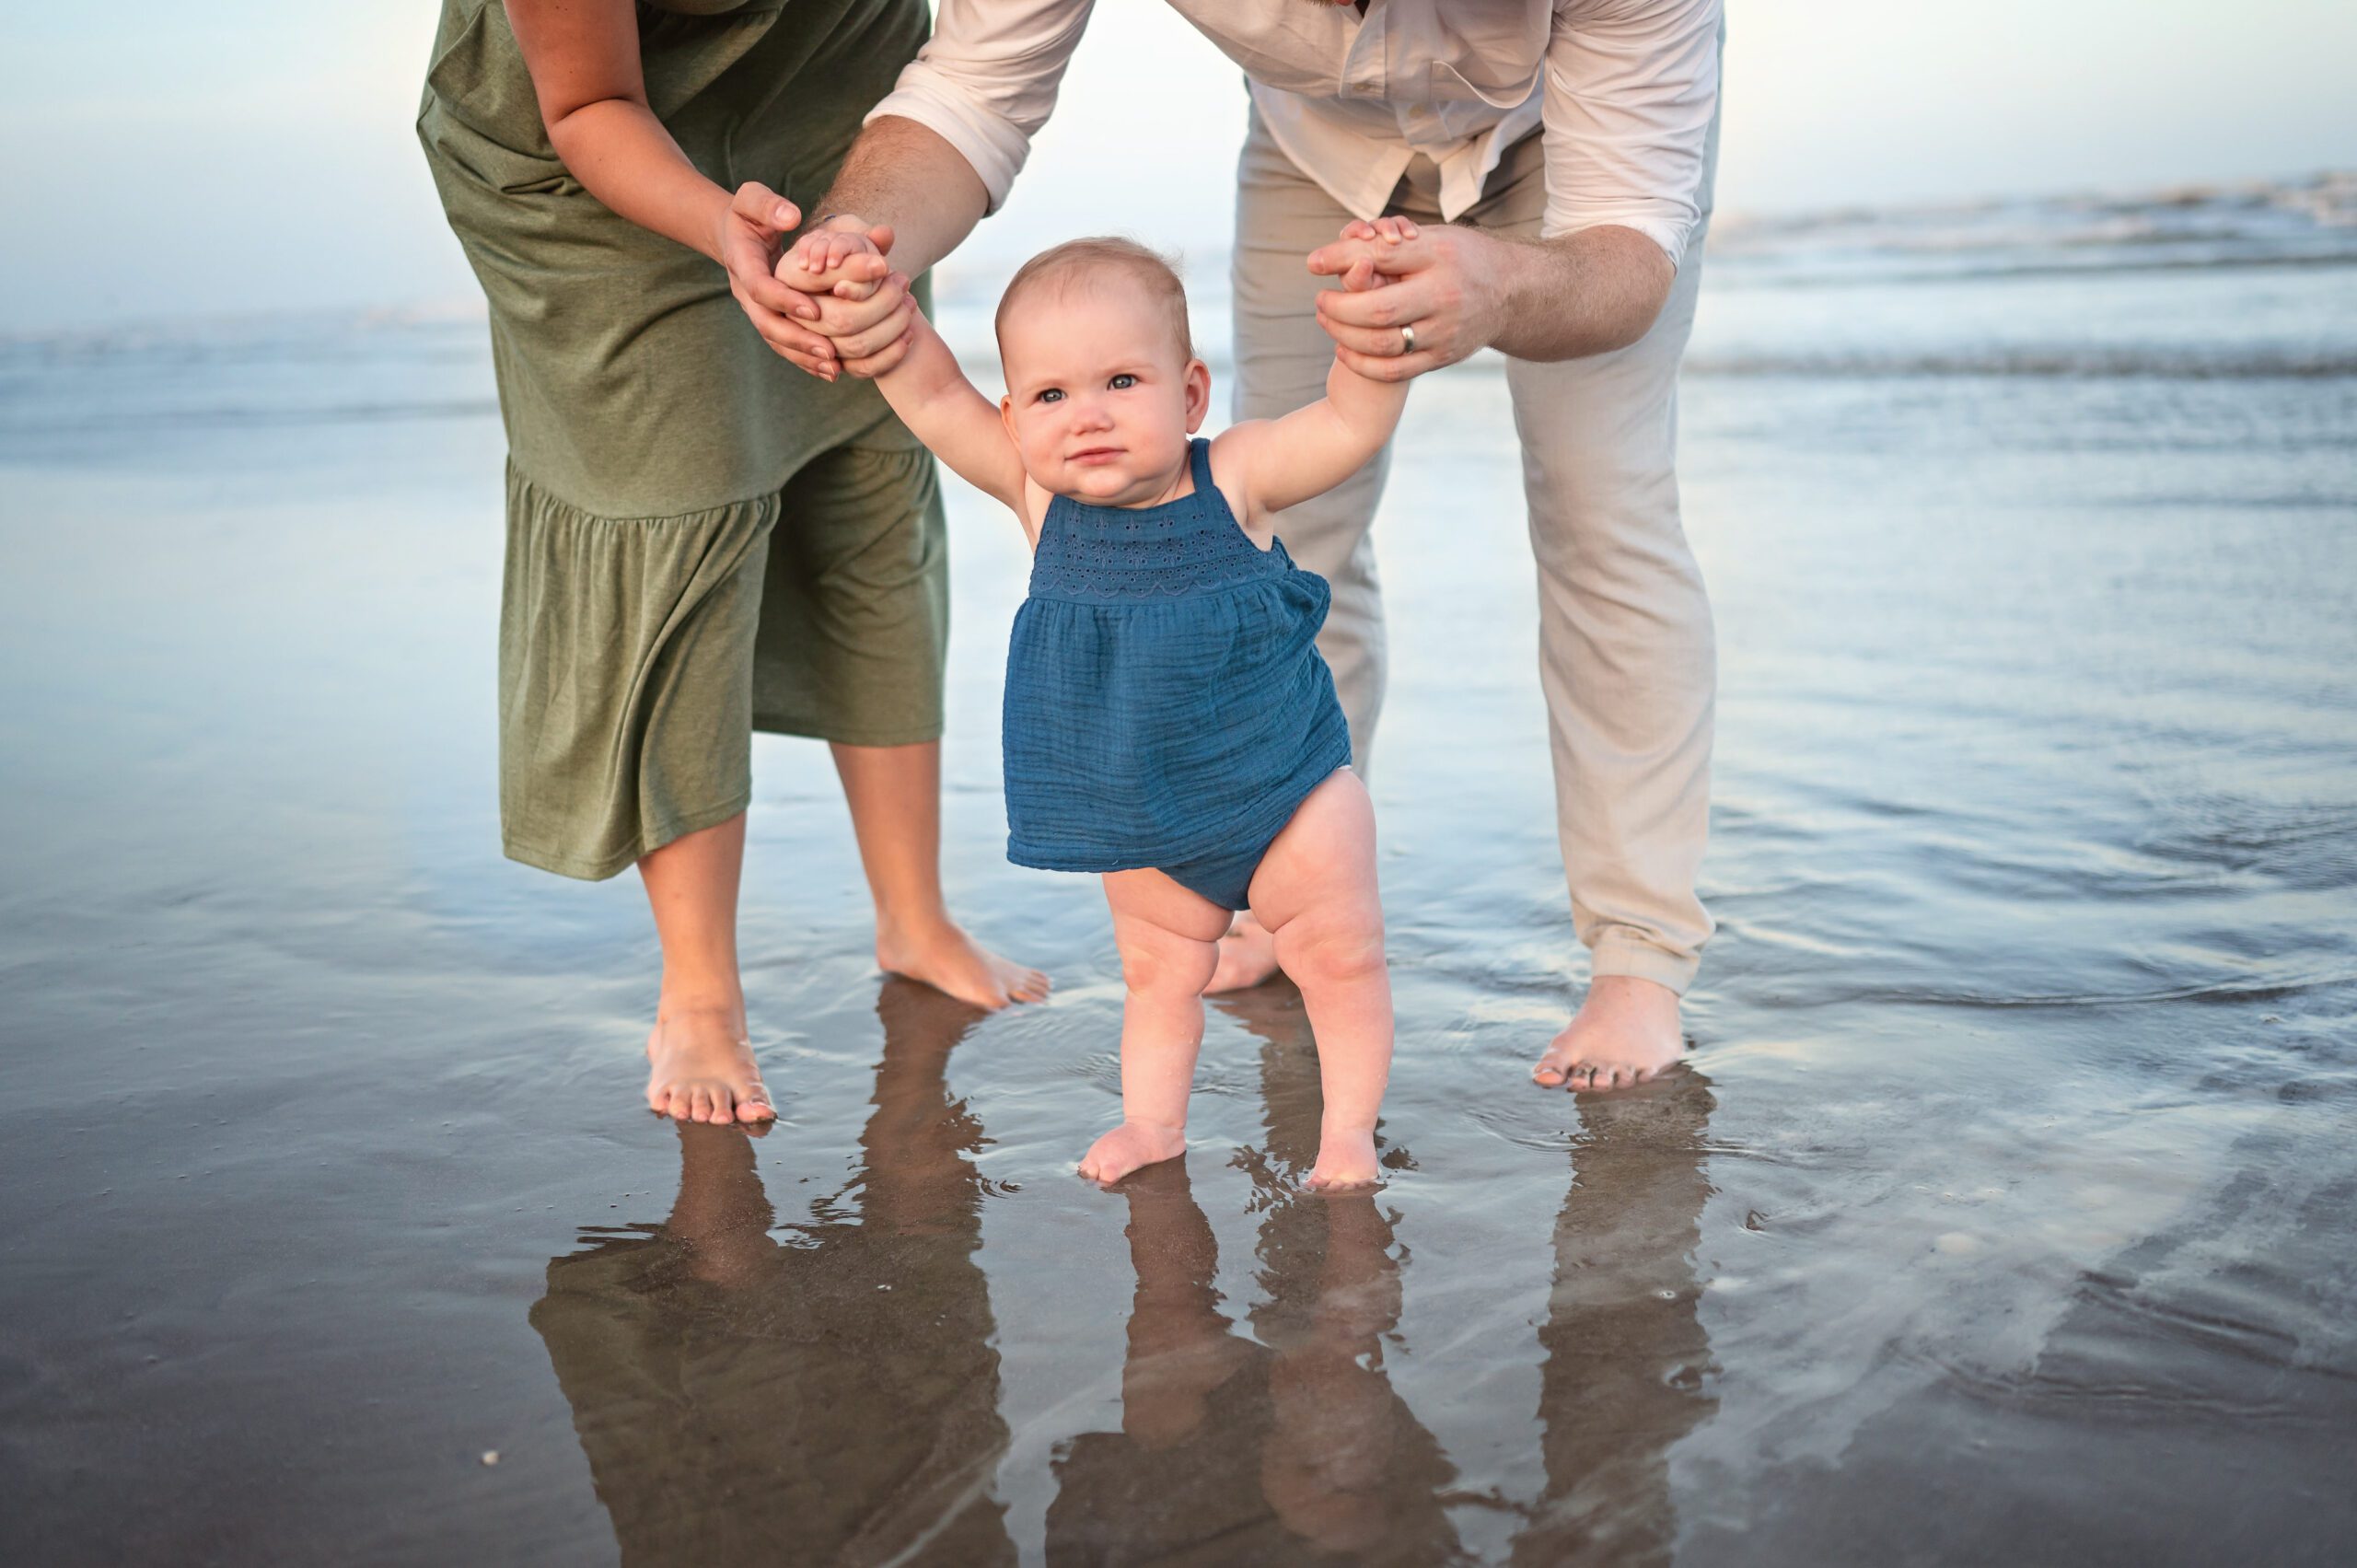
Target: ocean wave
[2308,221]
[2091,361]
[253,418]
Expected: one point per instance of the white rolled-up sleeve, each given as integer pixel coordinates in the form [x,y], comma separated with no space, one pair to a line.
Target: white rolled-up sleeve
[1630,88]
[986,81]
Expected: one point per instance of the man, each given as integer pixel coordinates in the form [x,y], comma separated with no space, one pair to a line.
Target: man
[1557,159]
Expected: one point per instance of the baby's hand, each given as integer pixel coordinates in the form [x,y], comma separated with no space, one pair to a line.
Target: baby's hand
[1387,231]
[846,262]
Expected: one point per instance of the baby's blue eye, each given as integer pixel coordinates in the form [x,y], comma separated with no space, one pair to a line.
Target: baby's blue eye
[1124,381]
[1052,395]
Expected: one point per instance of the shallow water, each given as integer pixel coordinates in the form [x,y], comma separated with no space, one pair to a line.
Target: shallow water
[2006,1211]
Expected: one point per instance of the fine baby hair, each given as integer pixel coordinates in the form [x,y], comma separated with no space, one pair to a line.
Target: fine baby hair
[1077,262]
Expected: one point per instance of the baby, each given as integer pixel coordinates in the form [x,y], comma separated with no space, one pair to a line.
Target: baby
[1169,724]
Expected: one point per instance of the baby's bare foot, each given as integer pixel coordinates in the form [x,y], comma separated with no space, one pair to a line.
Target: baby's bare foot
[1626,1032]
[1130,1146]
[700,1068]
[1345,1158]
[945,957]
[1248,956]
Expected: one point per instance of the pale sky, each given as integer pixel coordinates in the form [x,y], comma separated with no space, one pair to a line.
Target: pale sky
[170,161]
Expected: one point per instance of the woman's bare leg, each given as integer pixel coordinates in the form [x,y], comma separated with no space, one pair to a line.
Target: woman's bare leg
[701,1064]
[894,793]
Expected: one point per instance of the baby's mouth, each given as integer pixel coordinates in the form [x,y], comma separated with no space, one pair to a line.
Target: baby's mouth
[1096,454]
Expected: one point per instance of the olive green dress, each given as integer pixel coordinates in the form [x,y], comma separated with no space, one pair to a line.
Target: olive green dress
[701,539]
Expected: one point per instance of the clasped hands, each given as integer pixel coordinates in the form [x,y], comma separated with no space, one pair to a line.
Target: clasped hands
[1409,300]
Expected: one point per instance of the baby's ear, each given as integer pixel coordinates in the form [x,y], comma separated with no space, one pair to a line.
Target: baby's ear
[1198,394]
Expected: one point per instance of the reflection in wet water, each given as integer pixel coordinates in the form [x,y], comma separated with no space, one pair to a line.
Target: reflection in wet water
[1627,1362]
[833,1398]
[1286,1444]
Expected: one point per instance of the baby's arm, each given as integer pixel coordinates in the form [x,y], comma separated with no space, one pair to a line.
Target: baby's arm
[1281,462]
[1309,451]
[934,399]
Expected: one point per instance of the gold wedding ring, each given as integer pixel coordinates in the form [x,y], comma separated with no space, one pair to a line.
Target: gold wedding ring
[1407,341]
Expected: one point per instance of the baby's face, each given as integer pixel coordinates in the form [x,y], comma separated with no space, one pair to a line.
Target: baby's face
[1099,400]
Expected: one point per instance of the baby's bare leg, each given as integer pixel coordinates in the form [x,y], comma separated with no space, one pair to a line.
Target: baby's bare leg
[1317,892]
[1170,941]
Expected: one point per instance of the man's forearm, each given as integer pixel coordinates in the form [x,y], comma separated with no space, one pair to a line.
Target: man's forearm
[1586,293]
[900,173]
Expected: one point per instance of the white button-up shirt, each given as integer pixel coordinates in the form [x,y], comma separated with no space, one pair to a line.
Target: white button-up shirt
[1623,89]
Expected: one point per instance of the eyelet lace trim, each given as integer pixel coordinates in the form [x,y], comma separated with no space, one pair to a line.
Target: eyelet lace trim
[1149,557]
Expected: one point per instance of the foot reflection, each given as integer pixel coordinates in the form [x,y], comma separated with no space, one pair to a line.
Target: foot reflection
[1286,1445]
[1626,1359]
[832,1400]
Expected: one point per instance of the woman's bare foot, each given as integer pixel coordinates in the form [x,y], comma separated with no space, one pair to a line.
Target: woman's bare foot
[1130,1146]
[1626,1032]
[944,957]
[1345,1159]
[1248,956]
[701,1067]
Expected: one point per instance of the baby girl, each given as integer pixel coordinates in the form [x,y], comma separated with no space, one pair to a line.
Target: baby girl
[1169,724]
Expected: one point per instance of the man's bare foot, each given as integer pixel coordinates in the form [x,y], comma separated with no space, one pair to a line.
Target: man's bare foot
[701,1067]
[1345,1159]
[945,957]
[1626,1032]
[1248,956]
[1130,1146]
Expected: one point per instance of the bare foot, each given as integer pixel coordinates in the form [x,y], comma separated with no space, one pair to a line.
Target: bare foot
[1130,1146]
[1626,1032]
[701,1067]
[945,957]
[1345,1158]
[1248,956]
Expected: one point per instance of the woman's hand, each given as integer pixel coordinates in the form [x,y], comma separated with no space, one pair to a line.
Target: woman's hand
[751,234]
[1412,300]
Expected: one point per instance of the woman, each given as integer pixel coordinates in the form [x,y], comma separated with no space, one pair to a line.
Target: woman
[701,539]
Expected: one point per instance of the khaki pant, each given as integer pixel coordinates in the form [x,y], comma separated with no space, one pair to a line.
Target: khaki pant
[1626,655]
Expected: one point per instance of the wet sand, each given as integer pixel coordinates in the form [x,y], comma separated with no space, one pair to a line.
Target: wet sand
[2006,1210]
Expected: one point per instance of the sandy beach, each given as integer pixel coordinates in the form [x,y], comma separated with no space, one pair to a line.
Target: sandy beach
[2006,1210]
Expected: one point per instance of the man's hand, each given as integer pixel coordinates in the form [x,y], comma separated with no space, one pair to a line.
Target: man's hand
[877,349]
[1438,284]
[1455,290]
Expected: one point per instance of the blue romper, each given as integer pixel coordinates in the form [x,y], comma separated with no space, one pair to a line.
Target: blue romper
[1167,705]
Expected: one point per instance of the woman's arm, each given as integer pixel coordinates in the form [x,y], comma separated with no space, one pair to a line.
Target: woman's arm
[583,56]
